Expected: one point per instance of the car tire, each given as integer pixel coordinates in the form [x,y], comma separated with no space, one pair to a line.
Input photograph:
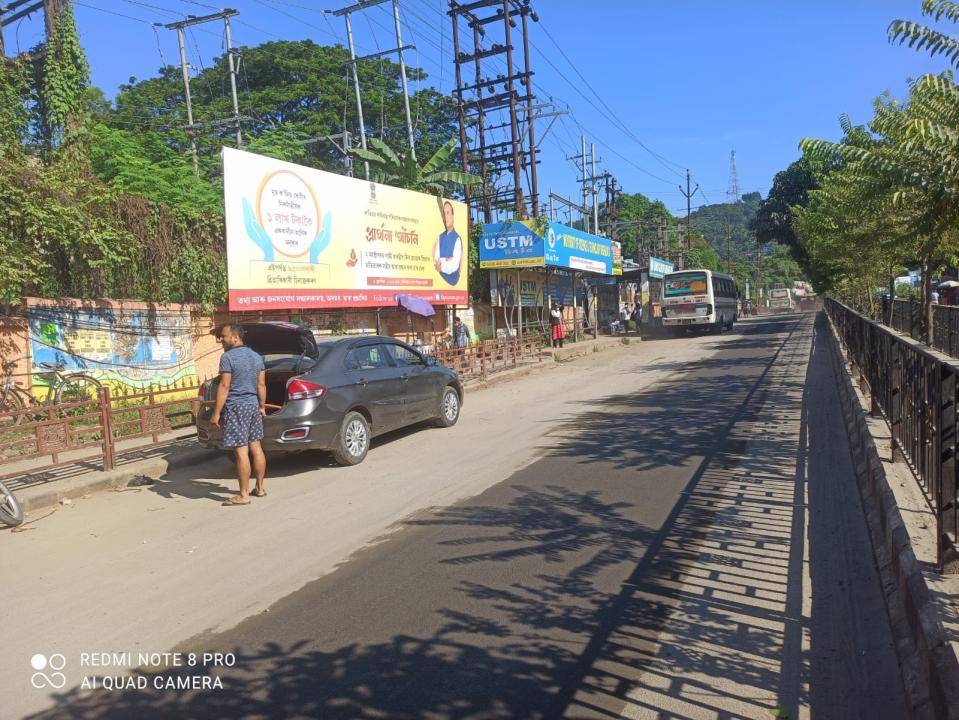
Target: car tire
[353,440]
[449,408]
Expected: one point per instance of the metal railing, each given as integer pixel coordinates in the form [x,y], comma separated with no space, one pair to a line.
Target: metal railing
[487,356]
[52,435]
[907,318]
[916,393]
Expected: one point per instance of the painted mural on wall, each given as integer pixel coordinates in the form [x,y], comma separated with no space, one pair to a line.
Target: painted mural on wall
[124,348]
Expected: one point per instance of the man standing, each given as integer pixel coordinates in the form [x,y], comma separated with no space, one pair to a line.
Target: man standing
[461,333]
[448,251]
[241,400]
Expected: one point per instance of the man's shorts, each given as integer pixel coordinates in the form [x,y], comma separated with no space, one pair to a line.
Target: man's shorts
[242,424]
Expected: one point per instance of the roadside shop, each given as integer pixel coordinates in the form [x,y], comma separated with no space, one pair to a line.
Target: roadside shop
[533,265]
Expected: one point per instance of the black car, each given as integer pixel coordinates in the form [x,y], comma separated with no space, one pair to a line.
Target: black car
[338,395]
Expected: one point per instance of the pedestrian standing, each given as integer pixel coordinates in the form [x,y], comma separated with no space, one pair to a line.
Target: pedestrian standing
[558,331]
[239,410]
[461,333]
[637,316]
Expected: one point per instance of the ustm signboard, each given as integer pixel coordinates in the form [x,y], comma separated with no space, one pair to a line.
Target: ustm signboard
[303,238]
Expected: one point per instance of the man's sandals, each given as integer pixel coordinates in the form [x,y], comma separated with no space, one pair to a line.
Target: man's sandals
[235,500]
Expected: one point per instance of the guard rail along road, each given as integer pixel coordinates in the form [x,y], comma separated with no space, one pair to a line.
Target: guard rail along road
[916,393]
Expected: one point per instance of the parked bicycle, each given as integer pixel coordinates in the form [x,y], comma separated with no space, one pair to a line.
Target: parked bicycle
[62,387]
[10,511]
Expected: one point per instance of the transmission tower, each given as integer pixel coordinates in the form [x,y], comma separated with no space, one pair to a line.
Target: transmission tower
[732,192]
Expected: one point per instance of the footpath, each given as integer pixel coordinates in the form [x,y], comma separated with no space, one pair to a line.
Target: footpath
[41,491]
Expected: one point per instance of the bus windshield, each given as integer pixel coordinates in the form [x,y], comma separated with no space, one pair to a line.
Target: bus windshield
[689,283]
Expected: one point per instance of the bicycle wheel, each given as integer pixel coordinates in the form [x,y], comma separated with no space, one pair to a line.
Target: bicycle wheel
[13,404]
[77,388]
[10,511]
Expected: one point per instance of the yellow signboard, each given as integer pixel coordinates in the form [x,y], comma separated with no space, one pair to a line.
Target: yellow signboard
[303,238]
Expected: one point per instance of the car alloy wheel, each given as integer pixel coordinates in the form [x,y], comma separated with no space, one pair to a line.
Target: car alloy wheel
[451,406]
[356,438]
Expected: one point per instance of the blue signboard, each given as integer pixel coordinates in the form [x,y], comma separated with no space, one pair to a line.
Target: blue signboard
[574,249]
[511,244]
[658,268]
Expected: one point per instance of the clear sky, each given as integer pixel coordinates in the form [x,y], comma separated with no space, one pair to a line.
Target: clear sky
[690,80]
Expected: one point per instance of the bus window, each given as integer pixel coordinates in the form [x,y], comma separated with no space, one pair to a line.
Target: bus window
[685,283]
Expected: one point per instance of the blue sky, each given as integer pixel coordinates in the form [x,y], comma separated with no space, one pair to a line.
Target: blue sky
[691,81]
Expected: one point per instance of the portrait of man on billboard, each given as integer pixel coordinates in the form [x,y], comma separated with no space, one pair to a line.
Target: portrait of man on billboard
[448,251]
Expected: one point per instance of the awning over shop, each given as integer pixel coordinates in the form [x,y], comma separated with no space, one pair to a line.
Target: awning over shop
[416,305]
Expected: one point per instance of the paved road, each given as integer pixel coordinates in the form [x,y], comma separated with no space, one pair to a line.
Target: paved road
[667,531]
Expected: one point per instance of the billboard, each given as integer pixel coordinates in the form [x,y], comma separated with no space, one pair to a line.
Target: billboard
[658,268]
[617,257]
[510,244]
[303,238]
[574,249]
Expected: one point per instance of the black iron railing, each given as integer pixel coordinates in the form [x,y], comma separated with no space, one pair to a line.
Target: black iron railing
[916,392]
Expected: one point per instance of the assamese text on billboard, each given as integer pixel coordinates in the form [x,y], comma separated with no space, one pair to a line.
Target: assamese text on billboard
[298,237]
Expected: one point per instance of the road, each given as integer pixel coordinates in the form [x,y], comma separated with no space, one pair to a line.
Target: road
[669,529]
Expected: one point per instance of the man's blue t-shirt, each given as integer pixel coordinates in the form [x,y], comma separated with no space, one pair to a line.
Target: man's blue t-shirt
[244,366]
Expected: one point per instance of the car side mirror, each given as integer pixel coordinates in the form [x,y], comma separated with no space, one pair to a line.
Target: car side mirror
[430,360]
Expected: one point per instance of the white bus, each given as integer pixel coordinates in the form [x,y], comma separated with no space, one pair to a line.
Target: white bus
[699,299]
[781,300]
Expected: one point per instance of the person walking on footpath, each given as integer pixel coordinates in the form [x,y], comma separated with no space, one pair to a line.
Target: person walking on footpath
[240,408]
[558,332]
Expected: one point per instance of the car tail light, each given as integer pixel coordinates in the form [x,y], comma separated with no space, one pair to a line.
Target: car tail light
[298,389]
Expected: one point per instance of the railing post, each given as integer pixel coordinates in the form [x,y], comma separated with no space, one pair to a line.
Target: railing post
[895,405]
[106,424]
[946,517]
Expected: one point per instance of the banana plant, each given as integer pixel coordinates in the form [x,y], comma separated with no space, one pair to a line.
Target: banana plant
[435,176]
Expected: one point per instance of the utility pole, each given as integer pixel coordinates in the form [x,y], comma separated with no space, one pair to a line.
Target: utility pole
[229,55]
[353,62]
[356,92]
[189,102]
[592,183]
[689,211]
[191,128]
[406,91]
[585,188]
[51,11]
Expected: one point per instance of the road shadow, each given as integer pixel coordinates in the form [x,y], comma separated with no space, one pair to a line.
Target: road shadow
[559,594]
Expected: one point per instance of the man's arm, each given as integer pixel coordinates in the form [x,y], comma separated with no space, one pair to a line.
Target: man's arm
[261,391]
[221,392]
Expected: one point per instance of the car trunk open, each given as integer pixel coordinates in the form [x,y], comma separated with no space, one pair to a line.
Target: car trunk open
[287,349]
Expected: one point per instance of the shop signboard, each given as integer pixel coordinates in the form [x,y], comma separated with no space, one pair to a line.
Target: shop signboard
[617,257]
[297,237]
[574,249]
[512,244]
[658,268]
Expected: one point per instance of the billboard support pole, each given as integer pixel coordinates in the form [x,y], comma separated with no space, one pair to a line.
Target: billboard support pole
[519,305]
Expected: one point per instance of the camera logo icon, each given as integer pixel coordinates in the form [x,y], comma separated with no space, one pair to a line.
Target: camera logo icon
[54,664]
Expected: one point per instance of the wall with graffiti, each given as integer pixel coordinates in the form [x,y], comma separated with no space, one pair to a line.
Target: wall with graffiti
[128,346]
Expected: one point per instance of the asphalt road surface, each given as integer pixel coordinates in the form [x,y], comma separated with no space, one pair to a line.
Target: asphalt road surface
[669,529]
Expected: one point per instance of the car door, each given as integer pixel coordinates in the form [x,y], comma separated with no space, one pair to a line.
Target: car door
[377,385]
[422,395]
